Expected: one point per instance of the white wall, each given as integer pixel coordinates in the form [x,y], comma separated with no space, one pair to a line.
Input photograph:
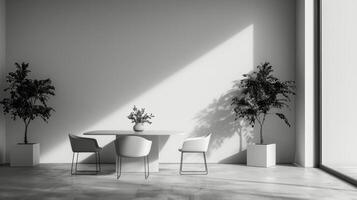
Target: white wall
[176,58]
[300,83]
[306,142]
[2,76]
[338,83]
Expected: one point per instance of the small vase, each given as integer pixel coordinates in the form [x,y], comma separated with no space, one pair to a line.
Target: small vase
[138,127]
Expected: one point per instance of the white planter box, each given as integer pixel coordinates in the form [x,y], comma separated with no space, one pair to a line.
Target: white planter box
[25,155]
[261,155]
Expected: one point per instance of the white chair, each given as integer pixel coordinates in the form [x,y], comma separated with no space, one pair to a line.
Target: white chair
[132,147]
[84,145]
[195,145]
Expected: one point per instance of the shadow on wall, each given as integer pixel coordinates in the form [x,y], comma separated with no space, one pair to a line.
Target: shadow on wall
[219,119]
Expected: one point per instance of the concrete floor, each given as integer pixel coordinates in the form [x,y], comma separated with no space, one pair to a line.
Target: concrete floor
[53,181]
[350,171]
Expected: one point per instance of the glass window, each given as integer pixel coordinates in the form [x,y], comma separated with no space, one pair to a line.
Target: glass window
[339,86]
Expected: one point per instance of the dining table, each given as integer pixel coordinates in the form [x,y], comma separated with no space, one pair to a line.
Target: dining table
[136,164]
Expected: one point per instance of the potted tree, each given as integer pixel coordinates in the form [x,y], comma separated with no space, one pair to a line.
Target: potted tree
[261,95]
[27,101]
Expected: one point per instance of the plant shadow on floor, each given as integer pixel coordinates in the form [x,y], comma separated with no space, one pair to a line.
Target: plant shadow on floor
[219,119]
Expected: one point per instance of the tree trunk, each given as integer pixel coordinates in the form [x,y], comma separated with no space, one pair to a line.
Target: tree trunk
[25,138]
[261,133]
[261,129]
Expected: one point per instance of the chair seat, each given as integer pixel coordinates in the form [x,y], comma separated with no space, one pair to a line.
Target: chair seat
[98,149]
[181,150]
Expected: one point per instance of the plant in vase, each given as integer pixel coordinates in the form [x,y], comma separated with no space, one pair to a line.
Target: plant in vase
[139,117]
[27,98]
[261,95]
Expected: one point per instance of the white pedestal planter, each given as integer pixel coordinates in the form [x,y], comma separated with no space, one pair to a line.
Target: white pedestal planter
[25,155]
[261,155]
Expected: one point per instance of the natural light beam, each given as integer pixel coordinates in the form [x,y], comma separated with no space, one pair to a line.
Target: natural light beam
[176,100]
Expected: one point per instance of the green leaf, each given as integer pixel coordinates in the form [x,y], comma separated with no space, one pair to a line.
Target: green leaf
[27,98]
[259,92]
[282,116]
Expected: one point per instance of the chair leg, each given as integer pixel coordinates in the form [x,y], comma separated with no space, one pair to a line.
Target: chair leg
[75,171]
[72,164]
[100,169]
[205,172]
[116,165]
[148,162]
[118,170]
[204,157]
[181,163]
[146,167]
[96,162]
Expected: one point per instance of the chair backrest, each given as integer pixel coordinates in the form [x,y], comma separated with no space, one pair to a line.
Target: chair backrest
[207,139]
[82,144]
[132,146]
[197,144]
